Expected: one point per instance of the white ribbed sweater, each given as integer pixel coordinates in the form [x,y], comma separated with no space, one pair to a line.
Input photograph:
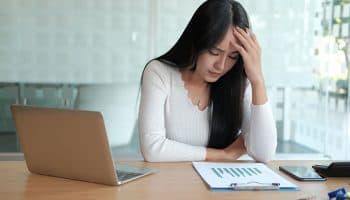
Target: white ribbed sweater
[173,129]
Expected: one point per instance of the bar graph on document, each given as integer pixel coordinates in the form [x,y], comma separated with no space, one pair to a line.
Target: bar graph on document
[236,172]
[223,175]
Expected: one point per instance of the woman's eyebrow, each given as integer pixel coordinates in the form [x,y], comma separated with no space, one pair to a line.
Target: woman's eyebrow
[217,48]
[234,52]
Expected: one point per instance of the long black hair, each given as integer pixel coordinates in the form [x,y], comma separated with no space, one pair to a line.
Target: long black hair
[206,29]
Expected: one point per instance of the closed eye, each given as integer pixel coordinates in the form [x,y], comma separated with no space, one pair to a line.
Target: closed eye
[234,57]
[214,52]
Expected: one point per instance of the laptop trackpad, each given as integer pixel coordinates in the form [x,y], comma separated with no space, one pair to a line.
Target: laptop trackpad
[133,169]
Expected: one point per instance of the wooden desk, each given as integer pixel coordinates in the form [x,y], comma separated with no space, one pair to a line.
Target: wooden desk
[173,181]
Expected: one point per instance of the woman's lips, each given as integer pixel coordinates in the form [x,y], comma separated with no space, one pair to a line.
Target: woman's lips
[214,73]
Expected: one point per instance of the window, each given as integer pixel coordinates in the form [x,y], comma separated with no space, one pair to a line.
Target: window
[89,54]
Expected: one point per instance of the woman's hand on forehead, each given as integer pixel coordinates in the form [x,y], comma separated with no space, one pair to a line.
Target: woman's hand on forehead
[249,48]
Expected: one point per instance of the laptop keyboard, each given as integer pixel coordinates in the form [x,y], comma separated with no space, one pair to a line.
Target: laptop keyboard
[124,175]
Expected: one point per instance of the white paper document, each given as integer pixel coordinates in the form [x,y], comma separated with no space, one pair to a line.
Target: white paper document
[247,176]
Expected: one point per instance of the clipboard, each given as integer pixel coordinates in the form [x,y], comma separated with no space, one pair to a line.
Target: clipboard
[254,186]
[241,177]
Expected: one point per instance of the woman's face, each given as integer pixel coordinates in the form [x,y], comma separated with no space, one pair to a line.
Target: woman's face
[215,62]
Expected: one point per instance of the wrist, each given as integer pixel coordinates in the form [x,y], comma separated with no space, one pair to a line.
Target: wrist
[225,154]
[215,154]
[257,83]
[259,96]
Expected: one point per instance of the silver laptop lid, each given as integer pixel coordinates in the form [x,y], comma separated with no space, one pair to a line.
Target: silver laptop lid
[65,143]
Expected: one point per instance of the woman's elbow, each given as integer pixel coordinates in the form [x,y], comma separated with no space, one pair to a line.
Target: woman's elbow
[263,152]
[146,147]
[263,149]
[264,157]
[150,153]
[151,156]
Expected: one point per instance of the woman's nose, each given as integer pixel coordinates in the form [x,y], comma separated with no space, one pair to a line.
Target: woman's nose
[220,64]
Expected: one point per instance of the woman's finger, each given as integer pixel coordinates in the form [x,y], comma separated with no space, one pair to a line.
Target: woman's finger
[253,36]
[246,36]
[241,50]
[242,40]
[256,43]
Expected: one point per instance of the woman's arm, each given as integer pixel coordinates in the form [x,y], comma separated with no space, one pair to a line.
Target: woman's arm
[258,128]
[155,146]
[230,153]
[258,124]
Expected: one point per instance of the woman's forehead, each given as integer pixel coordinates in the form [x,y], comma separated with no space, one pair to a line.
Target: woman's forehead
[228,42]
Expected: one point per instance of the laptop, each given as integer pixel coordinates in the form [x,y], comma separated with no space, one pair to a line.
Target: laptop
[69,144]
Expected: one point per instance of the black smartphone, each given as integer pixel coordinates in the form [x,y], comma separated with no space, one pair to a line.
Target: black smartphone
[302,173]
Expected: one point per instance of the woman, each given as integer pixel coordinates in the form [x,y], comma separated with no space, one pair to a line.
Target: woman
[205,99]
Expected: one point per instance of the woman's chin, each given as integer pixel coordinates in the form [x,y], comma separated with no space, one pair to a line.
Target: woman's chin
[211,79]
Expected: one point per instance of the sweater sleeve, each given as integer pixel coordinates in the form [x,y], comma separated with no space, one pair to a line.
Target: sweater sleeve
[155,146]
[259,129]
